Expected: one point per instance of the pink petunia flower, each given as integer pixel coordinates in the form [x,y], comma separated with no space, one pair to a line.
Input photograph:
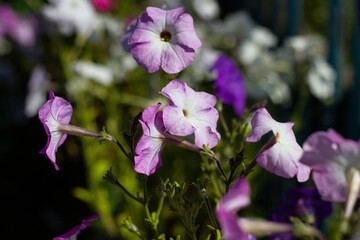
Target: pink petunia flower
[164,38]
[191,112]
[335,164]
[282,153]
[236,228]
[237,198]
[72,234]
[55,115]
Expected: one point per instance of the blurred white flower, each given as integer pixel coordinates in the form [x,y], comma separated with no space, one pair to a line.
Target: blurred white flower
[206,9]
[248,52]
[38,87]
[321,79]
[305,47]
[72,15]
[237,25]
[263,37]
[100,73]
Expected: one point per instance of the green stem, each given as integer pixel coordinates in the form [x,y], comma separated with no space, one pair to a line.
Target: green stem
[210,212]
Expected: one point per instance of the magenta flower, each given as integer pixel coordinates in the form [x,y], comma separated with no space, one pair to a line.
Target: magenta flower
[103,5]
[148,150]
[164,38]
[55,115]
[191,112]
[229,83]
[332,158]
[72,234]
[282,154]
[55,112]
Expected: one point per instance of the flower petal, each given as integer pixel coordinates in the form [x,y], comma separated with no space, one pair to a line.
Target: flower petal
[147,55]
[175,58]
[261,123]
[280,160]
[176,91]
[184,33]
[148,155]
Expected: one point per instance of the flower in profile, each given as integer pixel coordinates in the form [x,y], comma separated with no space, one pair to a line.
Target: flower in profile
[237,198]
[191,112]
[229,83]
[55,112]
[281,155]
[72,234]
[235,228]
[55,115]
[148,149]
[164,38]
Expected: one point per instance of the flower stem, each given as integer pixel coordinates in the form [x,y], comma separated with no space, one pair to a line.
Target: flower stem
[112,179]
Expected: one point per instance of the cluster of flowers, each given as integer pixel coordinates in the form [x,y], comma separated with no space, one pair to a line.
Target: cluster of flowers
[166,39]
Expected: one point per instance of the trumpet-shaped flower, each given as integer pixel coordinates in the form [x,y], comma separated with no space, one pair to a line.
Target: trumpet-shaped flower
[72,234]
[191,112]
[282,154]
[332,158]
[229,83]
[237,198]
[55,115]
[164,38]
[235,228]
[148,150]
[55,112]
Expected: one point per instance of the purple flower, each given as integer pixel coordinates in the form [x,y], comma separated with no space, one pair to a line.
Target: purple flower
[55,112]
[191,112]
[55,115]
[148,150]
[164,38]
[282,154]
[303,203]
[332,158]
[9,20]
[72,234]
[237,198]
[229,83]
